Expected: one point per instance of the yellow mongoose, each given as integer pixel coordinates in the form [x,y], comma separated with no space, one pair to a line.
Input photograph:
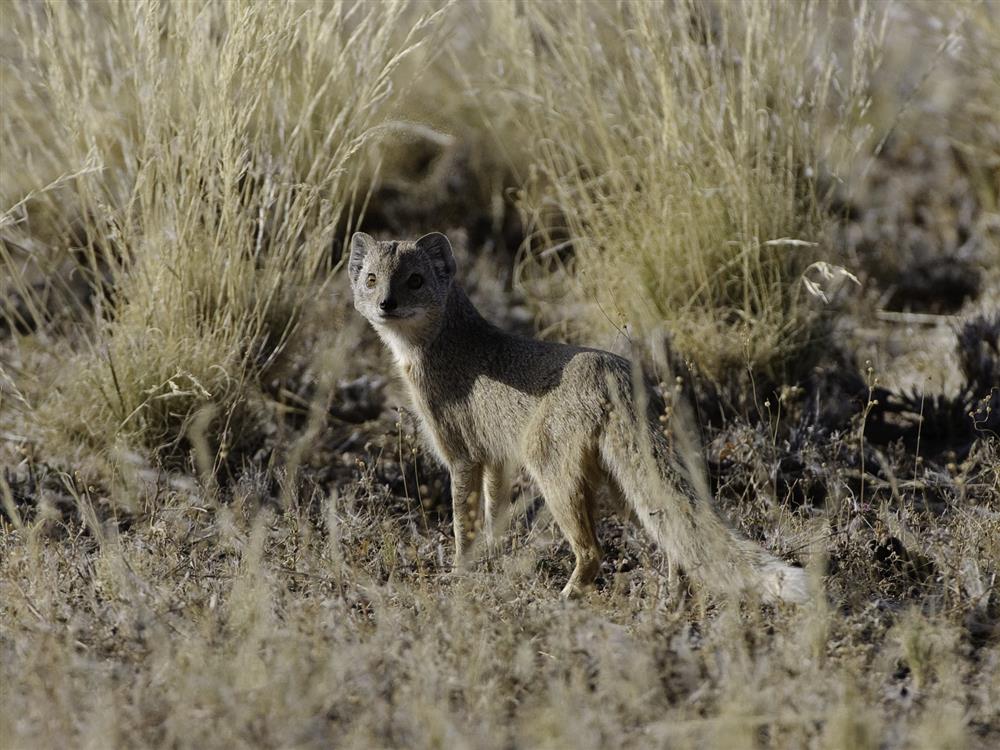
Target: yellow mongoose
[491,402]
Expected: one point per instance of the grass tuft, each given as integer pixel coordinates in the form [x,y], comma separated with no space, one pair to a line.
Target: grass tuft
[211,205]
[683,158]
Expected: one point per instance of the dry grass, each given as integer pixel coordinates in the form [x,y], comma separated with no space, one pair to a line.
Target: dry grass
[960,41]
[685,153]
[210,205]
[335,621]
[216,528]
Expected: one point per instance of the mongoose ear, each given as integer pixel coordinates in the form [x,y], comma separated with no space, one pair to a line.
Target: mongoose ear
[361,243]
[438,249]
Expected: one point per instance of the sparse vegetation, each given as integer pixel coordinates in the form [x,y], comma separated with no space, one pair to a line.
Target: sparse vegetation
[217,528]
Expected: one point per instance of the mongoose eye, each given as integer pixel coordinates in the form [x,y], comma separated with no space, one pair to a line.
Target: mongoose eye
[415,281]
[370,281]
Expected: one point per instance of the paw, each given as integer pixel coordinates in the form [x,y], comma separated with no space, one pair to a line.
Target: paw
[574,590]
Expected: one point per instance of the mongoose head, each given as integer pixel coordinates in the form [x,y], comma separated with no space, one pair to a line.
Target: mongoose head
[402,287]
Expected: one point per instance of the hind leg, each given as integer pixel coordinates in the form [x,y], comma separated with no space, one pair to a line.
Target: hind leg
[569,492]
[573,511]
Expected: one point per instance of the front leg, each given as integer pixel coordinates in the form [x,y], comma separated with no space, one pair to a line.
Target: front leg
[466,481]
[496,512]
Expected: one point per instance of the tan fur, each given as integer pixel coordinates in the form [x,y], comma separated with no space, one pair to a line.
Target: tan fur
[491,402]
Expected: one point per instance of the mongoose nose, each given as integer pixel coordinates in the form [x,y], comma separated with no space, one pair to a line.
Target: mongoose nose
[389,303]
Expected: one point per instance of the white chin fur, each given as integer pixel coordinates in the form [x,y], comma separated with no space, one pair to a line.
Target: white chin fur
[400,335]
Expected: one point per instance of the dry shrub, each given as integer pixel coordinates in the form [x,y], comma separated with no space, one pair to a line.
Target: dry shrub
[215,151]
[683,152]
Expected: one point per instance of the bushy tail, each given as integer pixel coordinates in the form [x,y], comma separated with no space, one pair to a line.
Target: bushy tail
[684,522]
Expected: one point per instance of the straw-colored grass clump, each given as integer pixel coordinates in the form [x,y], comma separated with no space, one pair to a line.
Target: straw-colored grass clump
[217,150]
[684,152]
